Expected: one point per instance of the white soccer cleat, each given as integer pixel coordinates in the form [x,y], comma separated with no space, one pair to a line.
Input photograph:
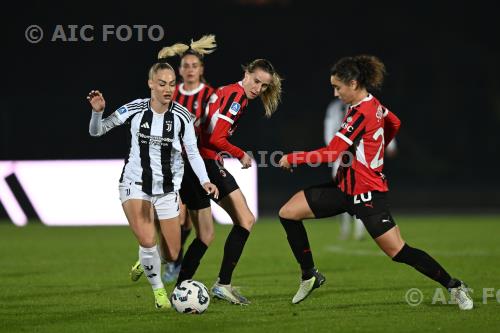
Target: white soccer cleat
[228,293]
[307,286]
[460,295]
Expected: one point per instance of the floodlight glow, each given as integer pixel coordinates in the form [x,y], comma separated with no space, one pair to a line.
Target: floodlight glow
[85,192]
[78,192]
[247,181]
[8,199]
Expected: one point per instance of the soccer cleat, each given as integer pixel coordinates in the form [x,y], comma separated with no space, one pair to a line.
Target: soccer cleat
[228,293]
[161,299]
[136,271]
[307,286]
[460,295]
[171,272]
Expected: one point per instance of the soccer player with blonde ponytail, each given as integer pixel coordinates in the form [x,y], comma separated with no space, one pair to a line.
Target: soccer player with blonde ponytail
[204,45]
[193,93]
[149,184]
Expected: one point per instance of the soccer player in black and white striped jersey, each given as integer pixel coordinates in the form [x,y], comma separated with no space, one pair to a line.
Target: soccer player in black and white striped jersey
[193,93]
[153,170]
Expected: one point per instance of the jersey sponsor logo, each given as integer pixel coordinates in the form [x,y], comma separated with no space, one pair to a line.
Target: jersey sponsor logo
[169,125]
[235,108]
[346,126]
[145,125]
[154,139]
[122,110]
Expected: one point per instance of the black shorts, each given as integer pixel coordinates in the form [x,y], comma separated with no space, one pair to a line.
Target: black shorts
[192,193]
[372,208]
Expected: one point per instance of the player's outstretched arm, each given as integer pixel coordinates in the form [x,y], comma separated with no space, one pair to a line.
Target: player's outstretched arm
[96,100]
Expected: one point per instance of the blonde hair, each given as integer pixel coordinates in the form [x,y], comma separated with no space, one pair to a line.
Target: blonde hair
[159,66]
[204,45]
[271,97]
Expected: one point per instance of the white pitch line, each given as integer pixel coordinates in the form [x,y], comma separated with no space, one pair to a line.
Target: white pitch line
[379,253]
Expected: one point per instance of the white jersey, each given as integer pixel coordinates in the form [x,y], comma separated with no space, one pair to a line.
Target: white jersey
[154,160]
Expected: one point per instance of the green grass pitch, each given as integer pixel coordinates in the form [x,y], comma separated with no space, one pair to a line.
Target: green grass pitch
[76,280]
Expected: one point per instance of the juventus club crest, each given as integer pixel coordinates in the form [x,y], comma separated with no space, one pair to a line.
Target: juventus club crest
[168,123]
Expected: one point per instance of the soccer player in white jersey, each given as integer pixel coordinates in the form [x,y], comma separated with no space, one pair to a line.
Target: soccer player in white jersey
[193,93]
[154,168]
[335,113]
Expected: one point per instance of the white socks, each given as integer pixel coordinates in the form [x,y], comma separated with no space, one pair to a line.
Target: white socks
[150,261]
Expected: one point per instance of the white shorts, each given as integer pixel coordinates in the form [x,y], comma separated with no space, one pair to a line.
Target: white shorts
[166,205]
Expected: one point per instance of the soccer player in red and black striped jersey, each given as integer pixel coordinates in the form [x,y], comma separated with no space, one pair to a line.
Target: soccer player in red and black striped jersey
[217,124]
[360,188]
[193,93]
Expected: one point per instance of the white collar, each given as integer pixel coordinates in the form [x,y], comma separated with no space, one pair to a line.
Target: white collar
[191,92]
[240,83]
[367,98]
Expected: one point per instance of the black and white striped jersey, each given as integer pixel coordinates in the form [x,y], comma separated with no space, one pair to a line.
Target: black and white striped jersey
[154,160]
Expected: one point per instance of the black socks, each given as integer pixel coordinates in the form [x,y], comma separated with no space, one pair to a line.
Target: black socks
[426,265]
[191,260]
[184,235]
[299,243]
[233,248]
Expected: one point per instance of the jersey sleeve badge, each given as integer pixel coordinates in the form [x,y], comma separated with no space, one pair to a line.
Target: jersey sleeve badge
[235,108]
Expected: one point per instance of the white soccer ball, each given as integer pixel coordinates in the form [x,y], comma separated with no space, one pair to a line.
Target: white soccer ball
[190,297]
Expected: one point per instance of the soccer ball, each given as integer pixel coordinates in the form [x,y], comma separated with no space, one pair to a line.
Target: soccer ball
[190,297]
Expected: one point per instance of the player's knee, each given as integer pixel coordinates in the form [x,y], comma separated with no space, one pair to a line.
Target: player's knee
[248,222]
[288,212]
[392,250]
[146,241]
[207,237]
[403,254]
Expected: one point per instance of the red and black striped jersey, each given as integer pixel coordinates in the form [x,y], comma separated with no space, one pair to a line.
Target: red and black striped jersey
[195,100]
[220,120]
[365,131]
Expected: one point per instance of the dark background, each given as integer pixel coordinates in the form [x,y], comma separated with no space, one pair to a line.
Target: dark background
[443,82]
